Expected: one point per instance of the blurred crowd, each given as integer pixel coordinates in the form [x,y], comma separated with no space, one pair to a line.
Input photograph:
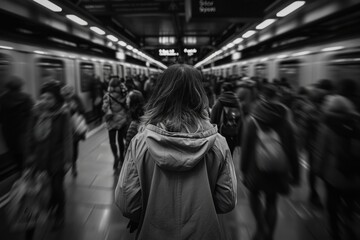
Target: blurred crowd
[271,123]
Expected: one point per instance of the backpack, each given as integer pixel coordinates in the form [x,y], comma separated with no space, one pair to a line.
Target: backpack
[231,121]
[269,152]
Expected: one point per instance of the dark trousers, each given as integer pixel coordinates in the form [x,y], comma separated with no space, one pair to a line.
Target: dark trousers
[265,216]
[57,199]
[75,151]
[340,205]
[117,148]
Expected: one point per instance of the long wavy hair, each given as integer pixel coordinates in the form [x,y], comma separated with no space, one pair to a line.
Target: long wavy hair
[178,101]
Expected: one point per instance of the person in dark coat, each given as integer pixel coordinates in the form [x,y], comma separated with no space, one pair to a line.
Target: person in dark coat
[337,162]
[269,114]
[226,99]
[51,143]
[17,113]
[76,109]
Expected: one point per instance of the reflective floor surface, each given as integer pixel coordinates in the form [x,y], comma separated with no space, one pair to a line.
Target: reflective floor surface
[92,215]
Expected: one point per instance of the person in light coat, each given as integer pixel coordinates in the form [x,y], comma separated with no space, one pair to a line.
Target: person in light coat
[178,173]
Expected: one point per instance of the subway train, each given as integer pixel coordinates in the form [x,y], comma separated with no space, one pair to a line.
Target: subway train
[37,65]
[300,66]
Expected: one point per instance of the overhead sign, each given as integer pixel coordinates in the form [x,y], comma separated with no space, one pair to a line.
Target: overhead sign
[234,9]
[168,52]
[190,52]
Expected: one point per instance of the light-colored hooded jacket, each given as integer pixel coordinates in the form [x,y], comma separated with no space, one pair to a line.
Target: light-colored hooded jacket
[175,184]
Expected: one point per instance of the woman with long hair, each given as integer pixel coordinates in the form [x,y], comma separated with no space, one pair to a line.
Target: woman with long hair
[178,172]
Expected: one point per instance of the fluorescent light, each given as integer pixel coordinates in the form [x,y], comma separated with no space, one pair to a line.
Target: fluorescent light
[329,49]
[135,50]
[6,47]
[238,40]
[230,45]
[264,59]
[84,58]
[282,56]
[97,30]
[218,52]
[265,23]
[129,47]
[49,5]
[289,9]
[39,52]
[112,38]
[300,53]
[77,20]
[248,34]
[224,48]
[122,43]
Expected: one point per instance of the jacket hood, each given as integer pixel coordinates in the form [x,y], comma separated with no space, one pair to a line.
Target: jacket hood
[177,151]
[228,99]
[269,113]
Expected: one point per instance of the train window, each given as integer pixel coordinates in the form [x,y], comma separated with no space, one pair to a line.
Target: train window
[107,72]
[121,71]
[87,72]
[290,70]
[128,71]
[5,66]
[261,70]
[245,70]
[50,69]
[343,66]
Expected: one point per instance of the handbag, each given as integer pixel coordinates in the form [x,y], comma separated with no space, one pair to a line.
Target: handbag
[109,115]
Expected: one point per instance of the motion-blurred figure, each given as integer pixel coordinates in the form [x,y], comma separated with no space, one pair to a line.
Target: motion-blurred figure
[338,164]
[76,109]
[116,118]
[51,144]
[228,115]
[269,160]
[16,113]
[178,172]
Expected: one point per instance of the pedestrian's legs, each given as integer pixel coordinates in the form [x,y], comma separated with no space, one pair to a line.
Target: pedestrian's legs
[75,156]
[314,196]
[121,136]
[258,212]
[29,234]
[332,204]
[58,197]
[114,149]
[271,213]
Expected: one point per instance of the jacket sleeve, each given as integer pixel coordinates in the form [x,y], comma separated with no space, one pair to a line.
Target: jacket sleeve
[292,152]
[68,139]
[106,103]
[321,152]
[128,195]
[247,144]
[226,186]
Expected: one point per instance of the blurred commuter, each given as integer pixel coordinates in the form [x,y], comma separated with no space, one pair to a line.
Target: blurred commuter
[349,89]
[149,87]
[77,113]
[97,95]
[178,172]
[228,115]
[135,102]
[269,160]
[338,163]
[116,118]
[17,113]
[51,144]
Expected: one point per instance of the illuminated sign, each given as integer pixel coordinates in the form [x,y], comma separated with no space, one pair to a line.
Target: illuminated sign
[190,52]
[168,52]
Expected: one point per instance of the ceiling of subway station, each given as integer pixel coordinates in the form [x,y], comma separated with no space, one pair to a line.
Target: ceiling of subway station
[156,24]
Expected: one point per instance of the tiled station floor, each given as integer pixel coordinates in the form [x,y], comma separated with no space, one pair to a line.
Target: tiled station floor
[92,215]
